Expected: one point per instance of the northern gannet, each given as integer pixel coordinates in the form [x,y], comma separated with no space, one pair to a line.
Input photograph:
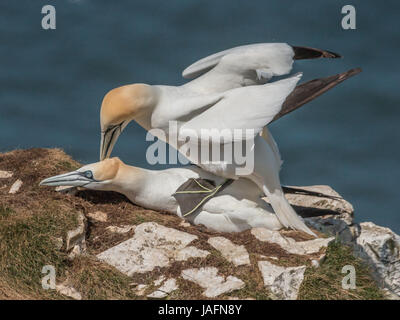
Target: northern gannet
[204,104]
[236,208]
[247,65]
[155,108]
[217,73]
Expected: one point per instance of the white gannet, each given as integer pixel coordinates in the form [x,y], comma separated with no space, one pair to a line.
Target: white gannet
[197,106]
[232,68]
[236,208]
[155,109]
[247,65]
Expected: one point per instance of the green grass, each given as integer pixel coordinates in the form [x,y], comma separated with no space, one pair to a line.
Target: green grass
[67,165]
[325,282]
[95,280]
[26,245]
[6,212]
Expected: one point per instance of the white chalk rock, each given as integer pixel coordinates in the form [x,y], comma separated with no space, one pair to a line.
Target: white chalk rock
[236,254]
[334,202]
[140,289]
[68,291]
[75,242]
[159,280]
[289,244]
[190,252]
[184,224]
[15,187]
[67,190]
[98,216]
[332,216]
[284,283]
[208,279]
[316,263]
[152,245]
[5,174]
[120,230]
[380,248]
[168,286]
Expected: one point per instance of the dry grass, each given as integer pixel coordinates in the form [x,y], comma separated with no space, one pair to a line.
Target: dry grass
[32,220]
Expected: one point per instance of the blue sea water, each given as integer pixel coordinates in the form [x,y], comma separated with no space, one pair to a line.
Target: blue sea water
[52,82]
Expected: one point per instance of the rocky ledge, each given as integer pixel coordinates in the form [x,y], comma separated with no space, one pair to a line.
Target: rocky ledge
[103,246]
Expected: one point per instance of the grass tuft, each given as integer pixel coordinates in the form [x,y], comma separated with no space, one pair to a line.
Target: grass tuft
[325,282]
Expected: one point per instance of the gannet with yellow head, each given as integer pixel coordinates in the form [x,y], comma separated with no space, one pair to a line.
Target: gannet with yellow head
[236,208]
[217,73]
[209,102]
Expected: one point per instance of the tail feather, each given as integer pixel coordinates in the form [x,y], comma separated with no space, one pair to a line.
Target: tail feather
[285,213]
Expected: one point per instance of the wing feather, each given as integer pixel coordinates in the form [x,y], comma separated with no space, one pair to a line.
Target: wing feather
[241,108]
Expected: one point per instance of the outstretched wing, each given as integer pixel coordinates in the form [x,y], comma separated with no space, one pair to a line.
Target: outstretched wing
[312,89]
[263,59]
[273,57]
[240,109]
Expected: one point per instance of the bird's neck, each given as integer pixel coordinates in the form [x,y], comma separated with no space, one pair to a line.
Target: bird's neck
[146,188]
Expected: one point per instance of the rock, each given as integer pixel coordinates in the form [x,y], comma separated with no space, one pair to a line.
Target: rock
[168,286]
[68,291]
[238,255]
[152,245]
[208,279]
[121,230]
[15,187]
[5,174]
[289,244]
[380,248]
[316,263]
[98,216]
[67,190]
[184,224]
[284,283]
[333,227]
[75,242]
[159,280]
[309,205]
[77,250]
[390,295]
[141,289]
[190,252]
[331,216]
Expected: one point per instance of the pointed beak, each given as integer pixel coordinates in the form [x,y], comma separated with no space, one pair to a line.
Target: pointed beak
[71,179]
[108,139]
[301,53]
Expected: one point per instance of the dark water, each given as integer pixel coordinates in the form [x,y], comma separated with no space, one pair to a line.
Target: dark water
[52,82]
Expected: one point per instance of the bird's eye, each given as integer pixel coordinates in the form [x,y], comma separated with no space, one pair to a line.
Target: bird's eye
[88,174]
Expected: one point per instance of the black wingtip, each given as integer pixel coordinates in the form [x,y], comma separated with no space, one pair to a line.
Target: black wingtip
[312,89]
[301,53]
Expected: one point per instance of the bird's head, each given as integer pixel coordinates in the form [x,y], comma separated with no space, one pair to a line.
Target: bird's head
[120,106]
[98,176]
